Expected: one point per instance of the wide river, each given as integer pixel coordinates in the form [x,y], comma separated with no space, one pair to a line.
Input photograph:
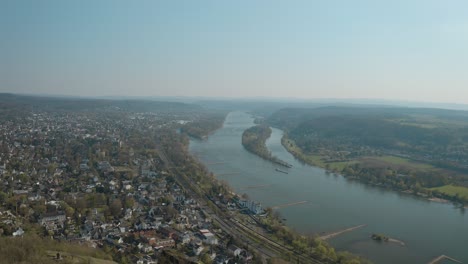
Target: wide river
[428,229]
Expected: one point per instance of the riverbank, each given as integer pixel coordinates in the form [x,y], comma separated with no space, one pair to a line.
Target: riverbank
[353,170]
[335,203]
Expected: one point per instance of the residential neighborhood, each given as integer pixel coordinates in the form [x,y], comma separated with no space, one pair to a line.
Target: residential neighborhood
[92,178]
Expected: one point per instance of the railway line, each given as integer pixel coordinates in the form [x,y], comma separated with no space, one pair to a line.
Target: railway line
[262,244]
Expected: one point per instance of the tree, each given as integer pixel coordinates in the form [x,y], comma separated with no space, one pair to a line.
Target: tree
[3,197]
[205,258]
[129,202]
[69,211]
[116,207]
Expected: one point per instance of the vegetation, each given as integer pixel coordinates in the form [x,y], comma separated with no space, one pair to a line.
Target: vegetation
[92,167]
[254,139]
[312,246]
[32,249]
[204,125]
[379,237]
[308,245]
[412,150]
[456,191]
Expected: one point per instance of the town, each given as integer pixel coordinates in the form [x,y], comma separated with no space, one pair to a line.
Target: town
[85,178]
[122,181]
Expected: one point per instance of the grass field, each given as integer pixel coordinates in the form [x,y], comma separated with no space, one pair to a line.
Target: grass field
[77,259]
[393,161]
[452,190]
[339,166]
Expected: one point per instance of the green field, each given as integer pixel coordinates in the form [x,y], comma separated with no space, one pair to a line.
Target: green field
[453,190]
[291,146]
[397,163]
[339,166]
[394,161]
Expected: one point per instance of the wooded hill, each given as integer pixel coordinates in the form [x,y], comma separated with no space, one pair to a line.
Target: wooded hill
[424,147]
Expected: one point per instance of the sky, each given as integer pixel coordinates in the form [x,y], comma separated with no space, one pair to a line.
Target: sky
[398,50]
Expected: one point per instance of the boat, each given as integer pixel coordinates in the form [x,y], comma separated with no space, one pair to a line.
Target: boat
[278,170]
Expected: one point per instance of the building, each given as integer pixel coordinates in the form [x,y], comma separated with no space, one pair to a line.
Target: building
[208,237]
[53,218]
[252,206]
[163,243]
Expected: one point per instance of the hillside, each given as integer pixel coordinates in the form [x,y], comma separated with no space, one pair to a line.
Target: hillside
[402,148]
[29,103]
[32,249]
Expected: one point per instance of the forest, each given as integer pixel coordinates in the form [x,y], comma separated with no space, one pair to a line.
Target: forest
[408,149]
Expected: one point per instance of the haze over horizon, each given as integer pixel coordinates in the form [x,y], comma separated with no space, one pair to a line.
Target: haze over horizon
[399,50]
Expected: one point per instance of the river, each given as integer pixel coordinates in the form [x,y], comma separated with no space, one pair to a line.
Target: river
[429,229]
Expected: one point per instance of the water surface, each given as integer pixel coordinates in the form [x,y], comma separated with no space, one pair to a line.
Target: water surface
[429,229]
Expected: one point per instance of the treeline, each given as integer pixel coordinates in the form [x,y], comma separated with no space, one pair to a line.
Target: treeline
[434,136]
[379,134]
[204,125]
[404,179]
[341,139]
[254,140]
[417,182]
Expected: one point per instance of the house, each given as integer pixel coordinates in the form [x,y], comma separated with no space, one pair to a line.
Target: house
[197,249]
[220,259]
[169,232]
[84,167]
[245,256]
[234,250]
[18,232]
[164,243]
[254,207]
[105,166]
[185,238]
[53,218]
[208,237]
[114,240]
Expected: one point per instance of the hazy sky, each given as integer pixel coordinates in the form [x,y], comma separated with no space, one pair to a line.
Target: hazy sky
[408,49]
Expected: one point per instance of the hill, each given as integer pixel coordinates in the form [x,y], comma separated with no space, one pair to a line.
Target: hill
[402,148]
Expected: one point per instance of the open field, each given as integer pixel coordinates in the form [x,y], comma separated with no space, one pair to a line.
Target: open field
[73,258]
[396,162]
[377,161]
[339,166]
[453,190]
[291,146]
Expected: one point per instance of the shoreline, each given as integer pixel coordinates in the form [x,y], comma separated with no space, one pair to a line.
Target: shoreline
[299,156]
[440,200]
